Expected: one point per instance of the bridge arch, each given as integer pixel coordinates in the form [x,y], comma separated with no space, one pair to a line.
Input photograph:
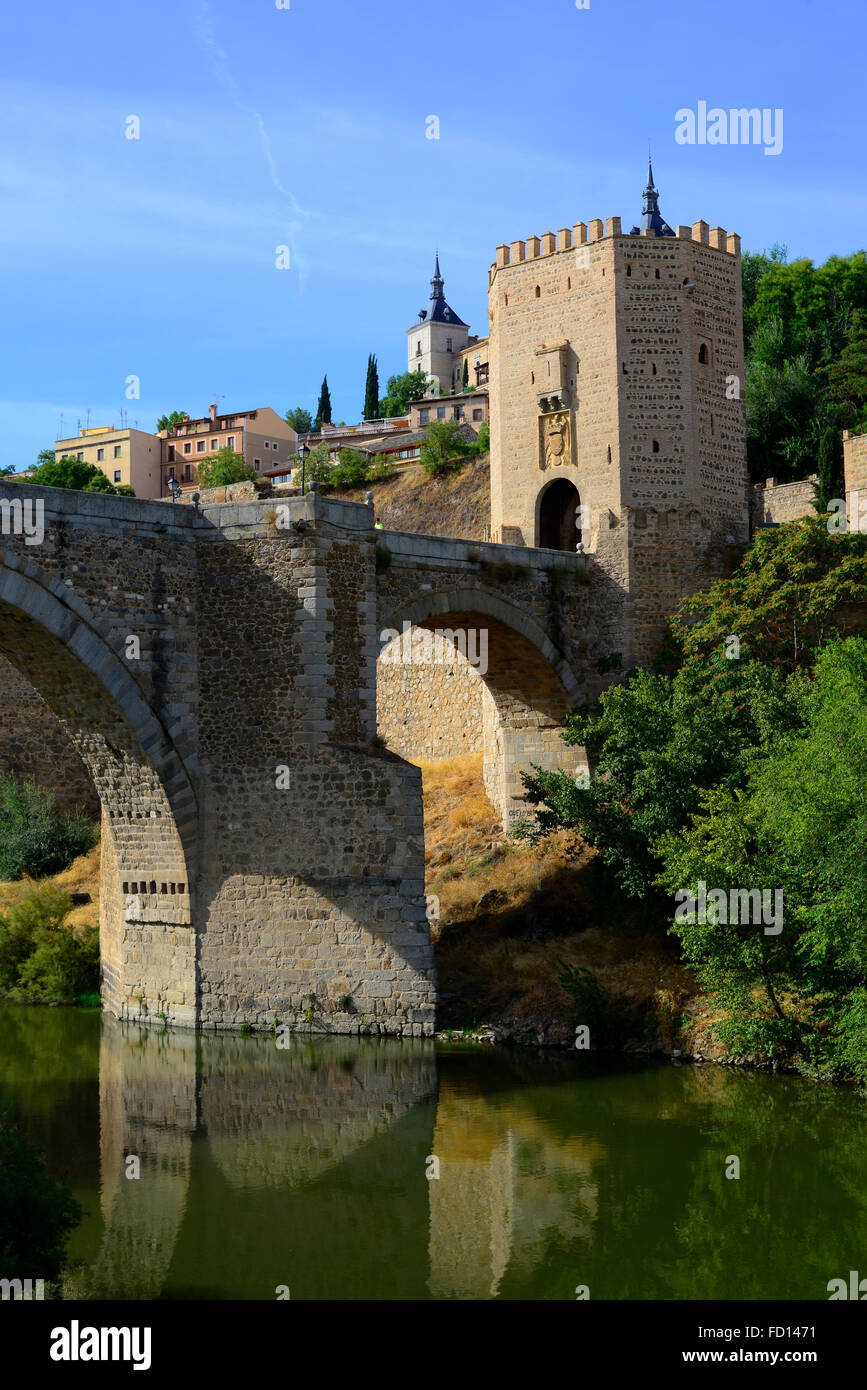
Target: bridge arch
[527,688]
[149,809]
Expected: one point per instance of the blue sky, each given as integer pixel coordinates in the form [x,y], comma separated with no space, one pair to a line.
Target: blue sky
[306,127]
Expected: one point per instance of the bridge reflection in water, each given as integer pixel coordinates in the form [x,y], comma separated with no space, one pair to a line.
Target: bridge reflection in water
[306,1167]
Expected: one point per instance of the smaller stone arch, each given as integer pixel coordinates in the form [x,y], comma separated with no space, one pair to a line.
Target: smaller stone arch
[528,687]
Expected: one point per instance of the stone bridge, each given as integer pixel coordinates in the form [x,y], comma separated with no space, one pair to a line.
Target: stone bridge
[216,671]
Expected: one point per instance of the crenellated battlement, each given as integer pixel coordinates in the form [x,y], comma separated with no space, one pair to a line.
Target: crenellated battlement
[586,233]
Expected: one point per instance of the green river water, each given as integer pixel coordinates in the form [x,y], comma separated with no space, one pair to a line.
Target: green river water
[307,1168]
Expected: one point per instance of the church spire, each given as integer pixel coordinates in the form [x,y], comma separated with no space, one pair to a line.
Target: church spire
[651,217]
[436,284]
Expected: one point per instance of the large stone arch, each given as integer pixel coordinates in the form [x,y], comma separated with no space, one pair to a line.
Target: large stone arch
[149,811]
[528,688]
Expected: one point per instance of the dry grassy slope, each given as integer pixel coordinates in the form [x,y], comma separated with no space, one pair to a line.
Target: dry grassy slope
[82,876]
[458,504]
[509,913]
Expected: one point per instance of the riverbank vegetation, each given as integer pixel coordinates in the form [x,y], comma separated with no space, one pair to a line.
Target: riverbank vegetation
[740,765]
[48,953]
[37,837]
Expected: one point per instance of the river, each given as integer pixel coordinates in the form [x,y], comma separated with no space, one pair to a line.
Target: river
[310,1169]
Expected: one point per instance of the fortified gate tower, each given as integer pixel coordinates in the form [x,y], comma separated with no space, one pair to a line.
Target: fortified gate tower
[617,418]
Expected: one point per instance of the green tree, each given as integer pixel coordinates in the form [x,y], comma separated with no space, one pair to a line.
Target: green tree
[465,381]
[323,409]
[168,422]
[483,440]
[223,467]
[798,828]
[71,473]
[299,419]
[444,447]
[371,391]
[658,742]
[400,390]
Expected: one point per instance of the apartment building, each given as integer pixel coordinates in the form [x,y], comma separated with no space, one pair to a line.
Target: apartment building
[127,456]
[261,436]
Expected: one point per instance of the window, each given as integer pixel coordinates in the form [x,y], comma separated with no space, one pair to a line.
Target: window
[609,453]
[100,455]
[656,446]
[117,475]
[568,282]
[656,274]
[231,441]
[653,369]
[441,412]
[257,463]
[538,292]
[623,365]
[171,453]
[116,451]
[506,300]
[703,354]
[418,348]
[200,446]
[478,414]
[215,444]
[448,344]
[459,412]
[188,472]
[188,448]
[423,416]
[628,268]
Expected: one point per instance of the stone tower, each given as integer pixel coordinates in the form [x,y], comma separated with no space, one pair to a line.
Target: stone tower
[435,341]
[617,419]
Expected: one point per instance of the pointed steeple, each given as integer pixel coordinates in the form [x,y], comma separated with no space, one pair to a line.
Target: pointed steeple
[436,284]
[438,310]
[651,217]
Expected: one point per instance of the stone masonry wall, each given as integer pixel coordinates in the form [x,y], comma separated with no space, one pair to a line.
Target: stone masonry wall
[786,502]
[429,711]
[34,744]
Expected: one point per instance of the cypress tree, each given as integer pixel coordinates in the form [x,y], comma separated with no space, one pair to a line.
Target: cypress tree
[466,381]
[323,409]
[830,466]
[371,390]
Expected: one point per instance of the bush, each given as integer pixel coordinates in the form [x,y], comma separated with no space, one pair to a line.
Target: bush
[222,468]
[36,837]
[483,442]
[445,448]
[37,1213]
[41,958]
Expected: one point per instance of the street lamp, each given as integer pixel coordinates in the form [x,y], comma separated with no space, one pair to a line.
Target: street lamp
[303,454]
[174,488]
